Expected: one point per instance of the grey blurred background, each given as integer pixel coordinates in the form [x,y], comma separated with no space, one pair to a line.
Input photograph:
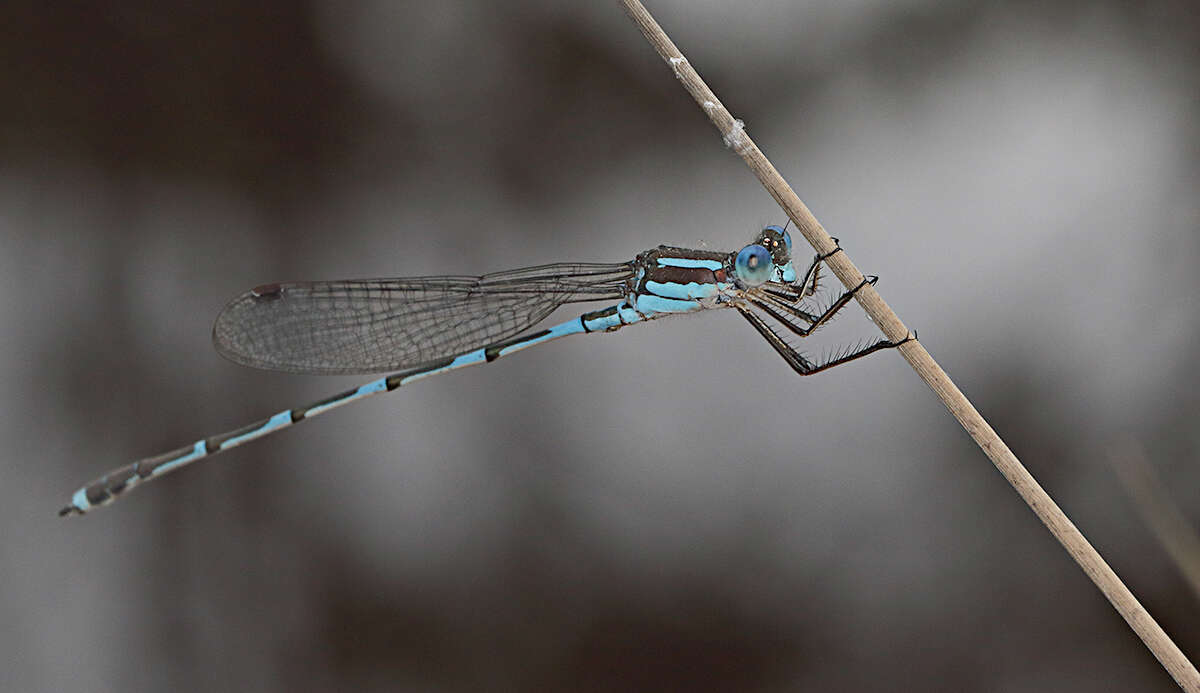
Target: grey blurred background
[667,508]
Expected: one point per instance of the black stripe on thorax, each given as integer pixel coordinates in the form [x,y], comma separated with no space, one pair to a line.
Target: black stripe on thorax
[679,275]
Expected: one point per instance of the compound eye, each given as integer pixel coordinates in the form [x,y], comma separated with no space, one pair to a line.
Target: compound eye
[753,265]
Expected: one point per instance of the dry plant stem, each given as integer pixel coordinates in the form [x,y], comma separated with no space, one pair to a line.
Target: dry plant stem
[1038,500]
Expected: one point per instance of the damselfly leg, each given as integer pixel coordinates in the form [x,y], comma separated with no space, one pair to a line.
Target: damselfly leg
[773,302]
[797,361]
[813,276]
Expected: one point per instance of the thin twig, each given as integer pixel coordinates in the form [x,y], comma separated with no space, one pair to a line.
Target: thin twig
[734,134]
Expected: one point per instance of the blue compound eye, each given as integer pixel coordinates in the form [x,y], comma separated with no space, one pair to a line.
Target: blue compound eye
[753,265]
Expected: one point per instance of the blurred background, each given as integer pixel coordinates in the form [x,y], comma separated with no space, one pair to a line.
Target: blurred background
[666,508]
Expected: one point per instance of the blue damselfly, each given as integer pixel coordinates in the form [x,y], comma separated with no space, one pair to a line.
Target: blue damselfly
[418,327]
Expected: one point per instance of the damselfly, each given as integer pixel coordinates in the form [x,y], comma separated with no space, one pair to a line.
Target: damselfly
[424,326]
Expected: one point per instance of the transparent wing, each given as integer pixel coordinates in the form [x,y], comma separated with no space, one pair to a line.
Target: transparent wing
[374,325]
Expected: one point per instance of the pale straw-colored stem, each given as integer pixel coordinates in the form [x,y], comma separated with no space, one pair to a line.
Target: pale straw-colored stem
[1039,501]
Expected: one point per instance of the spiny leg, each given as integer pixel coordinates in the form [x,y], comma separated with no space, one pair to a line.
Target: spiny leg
[785,295]
[776,303]
[802,365]
[793,293]
[813,275]
[772,306]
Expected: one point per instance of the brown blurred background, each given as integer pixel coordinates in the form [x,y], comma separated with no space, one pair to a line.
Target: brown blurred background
[667,508]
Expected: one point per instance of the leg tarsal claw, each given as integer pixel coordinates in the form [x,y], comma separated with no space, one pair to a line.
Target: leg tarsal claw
[826,256]
[869,279]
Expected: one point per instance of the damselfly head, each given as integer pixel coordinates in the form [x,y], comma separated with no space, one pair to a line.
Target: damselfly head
[779,244]
[776,240]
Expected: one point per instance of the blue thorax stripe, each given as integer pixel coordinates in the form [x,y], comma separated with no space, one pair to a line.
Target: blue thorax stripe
[692,290]
[690,263]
